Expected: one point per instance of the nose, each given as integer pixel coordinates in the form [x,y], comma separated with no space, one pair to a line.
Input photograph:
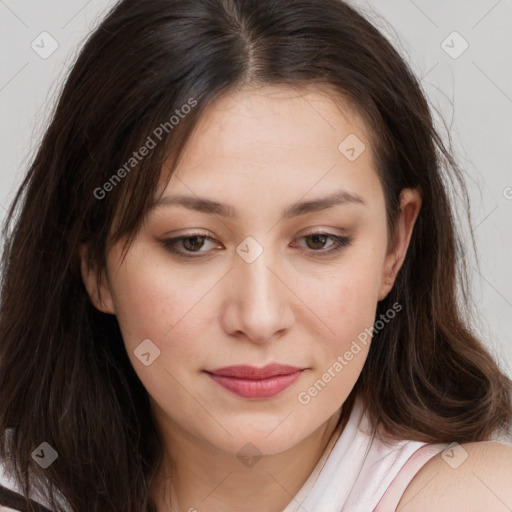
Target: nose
[257,305]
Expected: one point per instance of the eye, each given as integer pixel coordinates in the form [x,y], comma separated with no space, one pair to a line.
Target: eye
[318,241]
[190,243]
[190,246]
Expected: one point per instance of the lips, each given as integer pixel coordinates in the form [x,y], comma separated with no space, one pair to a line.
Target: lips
[253,373]
[256,383]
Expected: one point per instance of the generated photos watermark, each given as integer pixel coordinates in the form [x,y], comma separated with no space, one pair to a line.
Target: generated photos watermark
[305,397]
[150,143]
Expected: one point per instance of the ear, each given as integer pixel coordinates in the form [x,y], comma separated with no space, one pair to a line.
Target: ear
[410,204]
[98,290]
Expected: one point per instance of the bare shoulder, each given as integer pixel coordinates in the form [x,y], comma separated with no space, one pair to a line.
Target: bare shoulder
[470,477]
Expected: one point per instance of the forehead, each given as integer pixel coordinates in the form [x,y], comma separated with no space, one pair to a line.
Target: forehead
[311,115]
[319,104]
[272,139]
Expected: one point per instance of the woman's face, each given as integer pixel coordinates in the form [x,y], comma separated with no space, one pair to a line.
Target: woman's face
[253,284]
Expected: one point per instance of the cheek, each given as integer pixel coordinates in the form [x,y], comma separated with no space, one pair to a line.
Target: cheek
[171,308]
[350,314]
[348,307]
[348,311]
[347,296]
[139,305]
[168,309]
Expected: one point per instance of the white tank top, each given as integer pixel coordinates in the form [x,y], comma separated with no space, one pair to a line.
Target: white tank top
[361,472]
[358,471]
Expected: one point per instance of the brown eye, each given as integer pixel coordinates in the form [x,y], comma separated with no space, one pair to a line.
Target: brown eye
[186,246]
[192,246]
[193,243]
[317,242]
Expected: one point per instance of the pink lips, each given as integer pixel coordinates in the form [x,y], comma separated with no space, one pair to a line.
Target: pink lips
[251,382]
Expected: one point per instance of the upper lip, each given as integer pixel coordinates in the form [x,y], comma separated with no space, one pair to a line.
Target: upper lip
[254,373]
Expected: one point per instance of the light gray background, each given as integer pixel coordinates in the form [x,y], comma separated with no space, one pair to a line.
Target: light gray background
[472,92]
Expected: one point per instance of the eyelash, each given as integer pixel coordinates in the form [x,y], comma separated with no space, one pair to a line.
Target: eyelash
[340,243]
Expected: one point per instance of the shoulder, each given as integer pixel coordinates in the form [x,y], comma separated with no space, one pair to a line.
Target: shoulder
[470,477]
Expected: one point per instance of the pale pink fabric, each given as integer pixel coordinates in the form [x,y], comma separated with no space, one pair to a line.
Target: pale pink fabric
[417,460]
[360,469]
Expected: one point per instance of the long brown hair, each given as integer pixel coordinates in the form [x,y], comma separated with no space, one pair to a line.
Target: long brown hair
[65,377]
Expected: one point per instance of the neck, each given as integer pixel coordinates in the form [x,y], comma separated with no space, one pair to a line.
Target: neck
[197,476]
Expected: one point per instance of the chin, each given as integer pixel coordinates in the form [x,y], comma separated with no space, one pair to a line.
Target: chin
[251,441]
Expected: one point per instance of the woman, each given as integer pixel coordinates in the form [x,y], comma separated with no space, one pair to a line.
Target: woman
[231,284]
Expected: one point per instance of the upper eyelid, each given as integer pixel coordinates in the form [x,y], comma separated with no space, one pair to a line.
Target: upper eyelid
[308,231]
[209,236]
[337,240]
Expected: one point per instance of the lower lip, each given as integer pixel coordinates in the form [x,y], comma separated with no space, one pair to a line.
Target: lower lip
[264,388]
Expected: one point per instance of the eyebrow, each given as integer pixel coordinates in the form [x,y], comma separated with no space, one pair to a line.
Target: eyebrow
[208,206]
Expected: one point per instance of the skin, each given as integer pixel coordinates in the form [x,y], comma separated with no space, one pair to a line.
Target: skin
[259,150]
[480,482]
